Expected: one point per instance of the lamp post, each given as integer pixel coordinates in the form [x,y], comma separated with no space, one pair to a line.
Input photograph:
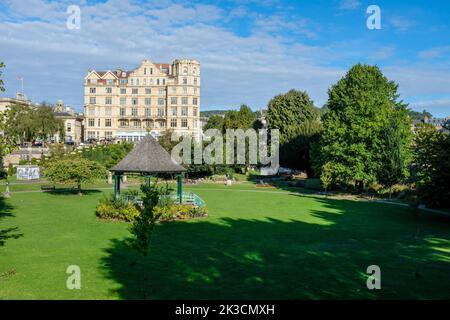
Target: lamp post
[7,193]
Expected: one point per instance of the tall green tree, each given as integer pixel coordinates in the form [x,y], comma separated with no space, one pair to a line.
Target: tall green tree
[143,225]
[214,122]
[361,107]
[45,123]
[295,116]
[432,166]
[396,155]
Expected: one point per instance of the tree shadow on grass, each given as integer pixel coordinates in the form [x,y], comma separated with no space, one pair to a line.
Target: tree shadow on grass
[270,258]
[72,191]
[8,233]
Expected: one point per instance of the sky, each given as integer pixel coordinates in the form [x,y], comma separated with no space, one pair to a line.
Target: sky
[249,50]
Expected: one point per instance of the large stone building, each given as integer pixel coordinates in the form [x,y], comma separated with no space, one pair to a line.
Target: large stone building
[127,105]
[73,124]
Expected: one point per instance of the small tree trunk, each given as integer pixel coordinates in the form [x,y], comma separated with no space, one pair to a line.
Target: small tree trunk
[144,273]
[79,189]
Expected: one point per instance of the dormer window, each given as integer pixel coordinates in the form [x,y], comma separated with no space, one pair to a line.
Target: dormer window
[185,70]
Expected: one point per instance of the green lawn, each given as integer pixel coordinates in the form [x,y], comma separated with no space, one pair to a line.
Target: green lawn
[256,243]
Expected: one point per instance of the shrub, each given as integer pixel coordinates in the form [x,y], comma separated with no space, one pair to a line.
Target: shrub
[184,211]
[116,209]
[313,184]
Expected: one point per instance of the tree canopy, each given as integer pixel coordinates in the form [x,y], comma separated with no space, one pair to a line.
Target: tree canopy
[364,119]
[74,170]
[24,123]
[432,166]
[295,116]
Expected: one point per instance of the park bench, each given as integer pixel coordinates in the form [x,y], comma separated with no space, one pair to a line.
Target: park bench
[47,187]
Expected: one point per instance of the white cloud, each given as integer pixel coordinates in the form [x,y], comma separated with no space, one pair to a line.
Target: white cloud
[349,4]
[401,23]
[433,53]
[235,68]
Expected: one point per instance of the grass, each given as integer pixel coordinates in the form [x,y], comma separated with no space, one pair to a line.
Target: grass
[256,244]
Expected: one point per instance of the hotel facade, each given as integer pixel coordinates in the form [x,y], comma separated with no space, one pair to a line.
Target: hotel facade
[127,105]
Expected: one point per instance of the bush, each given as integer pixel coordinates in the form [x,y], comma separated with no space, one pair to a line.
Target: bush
[313,184]
[116,209]
[177,211]
[120,209]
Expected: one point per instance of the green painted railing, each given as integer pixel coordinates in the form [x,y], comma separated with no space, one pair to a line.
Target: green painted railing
[189,198]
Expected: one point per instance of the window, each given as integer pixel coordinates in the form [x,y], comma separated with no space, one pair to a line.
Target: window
[107,122]
[184,100]
[194,101]
[195,90]
[108,90]
[195,123]
[135,123]
[145,70]
[148,91]
[134,91]
[92,90]
[145,81]
[160,101]
[134,101]
[173,100]
[123,101]
[108,135]
[184,90]
[161,90]
[93,81]
[109,82]
[195,81]
[91,122]
[134,112]
[91,134]
[157,82]
[173,111]
[123,81]
[148,112]
[184,80]
[151,70]
[91,111]
[164,82]
[98,123]
[122,112]
[147,101]
[123,90]
[173,123]
[184,111]
[132,82]
[137,82]
[194,71]
[184,123]
[108,111]
[108,100]
[92,100]
[194,112]
[185,70]
[123,123]
[161,112]
[69,127]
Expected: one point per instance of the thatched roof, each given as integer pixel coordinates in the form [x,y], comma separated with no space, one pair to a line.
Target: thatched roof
[148,157]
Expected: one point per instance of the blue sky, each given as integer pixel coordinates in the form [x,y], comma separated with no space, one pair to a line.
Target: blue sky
[249,50]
